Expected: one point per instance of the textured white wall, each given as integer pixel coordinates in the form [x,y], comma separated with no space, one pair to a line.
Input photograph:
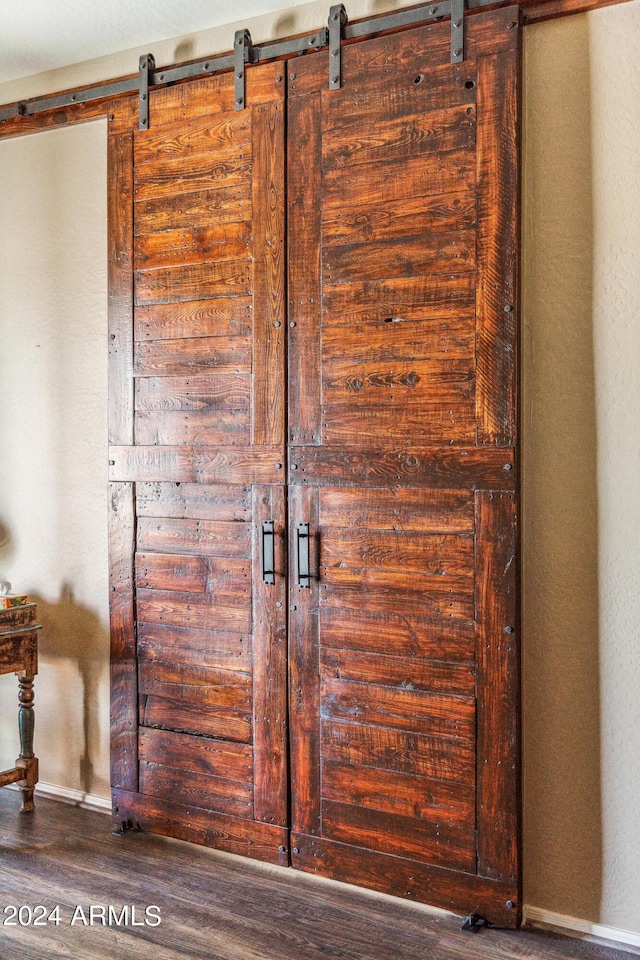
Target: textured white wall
[581,286]
[581,419]
[53,463]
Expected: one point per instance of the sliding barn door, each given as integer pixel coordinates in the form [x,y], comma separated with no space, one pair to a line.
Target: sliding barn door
[197,466]
[402,426]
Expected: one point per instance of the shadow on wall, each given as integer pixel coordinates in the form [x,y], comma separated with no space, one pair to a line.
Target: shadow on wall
[563,838]
[76,635]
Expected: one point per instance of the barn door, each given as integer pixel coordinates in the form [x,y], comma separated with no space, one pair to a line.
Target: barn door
[197,466]
[402,427]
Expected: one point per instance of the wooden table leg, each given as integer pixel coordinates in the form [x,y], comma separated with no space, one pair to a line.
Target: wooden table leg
[26,760]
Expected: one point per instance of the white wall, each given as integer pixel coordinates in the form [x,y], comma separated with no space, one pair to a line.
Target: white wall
[581,291]
[53,462]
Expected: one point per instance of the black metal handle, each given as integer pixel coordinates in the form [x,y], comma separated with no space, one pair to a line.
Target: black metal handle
[267,555]
[303,574]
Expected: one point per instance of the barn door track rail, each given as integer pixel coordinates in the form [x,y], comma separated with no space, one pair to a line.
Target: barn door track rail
[244,53]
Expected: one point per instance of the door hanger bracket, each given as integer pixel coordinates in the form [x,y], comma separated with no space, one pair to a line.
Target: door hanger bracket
[457,31]
[337,21]
[146,69]
[242,53]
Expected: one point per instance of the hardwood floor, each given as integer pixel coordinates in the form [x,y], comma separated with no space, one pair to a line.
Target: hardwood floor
[211,906]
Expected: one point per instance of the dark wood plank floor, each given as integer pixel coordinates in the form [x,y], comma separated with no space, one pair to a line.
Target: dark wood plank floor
[213,906]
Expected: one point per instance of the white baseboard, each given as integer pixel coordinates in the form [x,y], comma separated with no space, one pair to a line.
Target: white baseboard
[574,927]
[52,791]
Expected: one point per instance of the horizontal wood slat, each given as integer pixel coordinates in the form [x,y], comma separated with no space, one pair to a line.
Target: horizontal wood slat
[392,592]
[400,794]
[423,841]
[397,634]
[358,222]
[466,468]
[224,796]
[206,613]
[195,319]
[411,710]
[217,758]
[193,501]
[409,673]
[203,281]
[446,253]
[205,538]
[357,744]
[397,552]
[191,464]
[191,137]
[186,644]
[210,720]
[198,427]
[185,357]
[406,878]
[227,241]
[398,138]
[383,309]
[193,210]
[394,384]
[262,841]
[420,511]
[221,577]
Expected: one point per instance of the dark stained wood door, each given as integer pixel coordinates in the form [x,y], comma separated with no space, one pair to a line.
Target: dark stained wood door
[402,190]
[197,466]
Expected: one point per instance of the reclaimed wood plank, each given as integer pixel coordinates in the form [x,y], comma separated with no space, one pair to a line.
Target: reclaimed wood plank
[194,319]
[209,720]
[421,840]
[228,392]
[186,644]
[165,178]
[410,673]
[498,262]
[435,467]
[196,135]
[203,538]
[405,877]
[191,356]
[270,664]
[304,239]
[397,384]
[397,634]
[446,305]
[388,508]
[377,182]
[349,423]
[193,210]
[267,401]
[201,281]
[194,684]
[229,797]
[432,254]
[217,758]
[192,609]
[167,248]
[191,464]
[194,501]
[304,675]
[120,286]
[220,576]
[398,137]
[412,710]
[397,750]
[389,220]
[195,427]
[360,548]
[417,798]
[498,799]
[262,841]
[390,592]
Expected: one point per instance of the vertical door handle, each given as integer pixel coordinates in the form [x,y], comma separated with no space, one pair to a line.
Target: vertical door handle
[267,556]
[303,574]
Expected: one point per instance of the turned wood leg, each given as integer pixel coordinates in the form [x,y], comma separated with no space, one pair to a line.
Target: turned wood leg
[27,760]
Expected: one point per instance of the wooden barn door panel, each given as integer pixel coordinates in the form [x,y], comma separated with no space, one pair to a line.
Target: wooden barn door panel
[198,466]
[402,428]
